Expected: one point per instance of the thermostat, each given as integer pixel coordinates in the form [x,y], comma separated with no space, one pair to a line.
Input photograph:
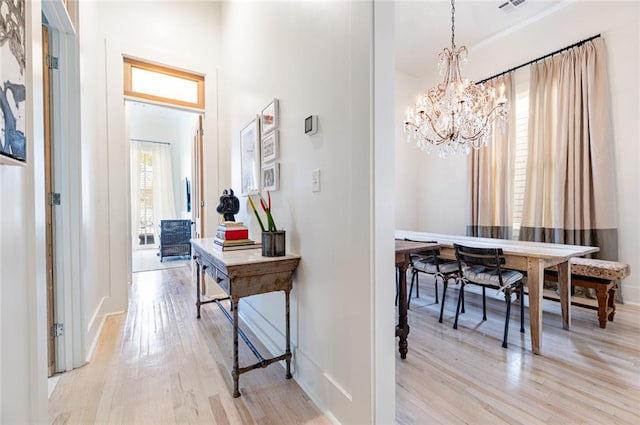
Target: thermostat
[311,125]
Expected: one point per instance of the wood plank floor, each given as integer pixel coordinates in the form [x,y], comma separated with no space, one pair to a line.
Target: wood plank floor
[587,375]
[158,364]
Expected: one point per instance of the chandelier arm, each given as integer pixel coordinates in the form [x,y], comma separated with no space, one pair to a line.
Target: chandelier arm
[486,121]
[443,137]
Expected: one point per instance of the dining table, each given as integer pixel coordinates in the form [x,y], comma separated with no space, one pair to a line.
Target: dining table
[530,257]
[404,249]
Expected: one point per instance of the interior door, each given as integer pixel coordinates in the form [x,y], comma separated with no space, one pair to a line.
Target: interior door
[48,167]
[198,182]
[197,209]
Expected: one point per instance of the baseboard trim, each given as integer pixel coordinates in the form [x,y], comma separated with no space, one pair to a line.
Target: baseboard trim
[274,341]
[96,324]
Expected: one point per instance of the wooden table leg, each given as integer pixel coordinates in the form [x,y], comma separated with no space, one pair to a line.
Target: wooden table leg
[535,282]
[403,325]
[564,285]
[235,373]
[287,351]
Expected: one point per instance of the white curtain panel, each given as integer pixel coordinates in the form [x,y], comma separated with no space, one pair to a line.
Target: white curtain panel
[491,170]
[135,193]
[164,203]
[161,183]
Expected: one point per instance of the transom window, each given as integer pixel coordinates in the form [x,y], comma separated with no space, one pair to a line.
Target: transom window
[161,84]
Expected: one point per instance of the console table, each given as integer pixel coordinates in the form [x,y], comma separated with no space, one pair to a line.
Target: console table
[240,274]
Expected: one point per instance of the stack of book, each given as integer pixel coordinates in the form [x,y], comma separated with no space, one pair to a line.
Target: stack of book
[232,235]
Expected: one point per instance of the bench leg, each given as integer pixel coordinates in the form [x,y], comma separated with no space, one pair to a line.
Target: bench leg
[603,302]
[612,303]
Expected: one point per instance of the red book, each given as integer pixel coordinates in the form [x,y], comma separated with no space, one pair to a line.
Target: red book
[233,234]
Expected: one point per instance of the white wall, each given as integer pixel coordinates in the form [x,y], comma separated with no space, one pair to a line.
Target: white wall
[23,362]
[407,158]
[315,57]
[618,22]
[178,34]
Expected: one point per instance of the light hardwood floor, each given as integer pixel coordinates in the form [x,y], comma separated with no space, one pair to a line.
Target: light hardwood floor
[587,375]
[159,365]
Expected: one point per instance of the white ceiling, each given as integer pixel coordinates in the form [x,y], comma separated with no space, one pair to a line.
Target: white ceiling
[423,28]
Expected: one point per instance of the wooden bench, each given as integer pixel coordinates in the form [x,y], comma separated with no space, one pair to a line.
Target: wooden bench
[601,275]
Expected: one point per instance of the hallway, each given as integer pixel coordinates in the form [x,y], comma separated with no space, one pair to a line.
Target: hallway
[158,364]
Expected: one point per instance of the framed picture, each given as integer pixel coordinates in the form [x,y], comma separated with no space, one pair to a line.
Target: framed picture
[270,147]
[250,157]
[271,177]
[13,143]
[269,117]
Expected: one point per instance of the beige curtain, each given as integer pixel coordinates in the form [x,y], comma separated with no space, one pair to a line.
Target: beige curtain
[570,191]
[491,173]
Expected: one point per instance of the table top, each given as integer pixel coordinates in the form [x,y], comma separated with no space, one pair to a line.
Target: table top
[404,246]
[516,248]
[237,257]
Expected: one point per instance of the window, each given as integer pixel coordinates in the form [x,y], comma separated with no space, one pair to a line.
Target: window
[145,193]
[521,110]
[161,84]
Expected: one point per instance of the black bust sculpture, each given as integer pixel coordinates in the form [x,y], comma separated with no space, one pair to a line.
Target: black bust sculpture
[229,205]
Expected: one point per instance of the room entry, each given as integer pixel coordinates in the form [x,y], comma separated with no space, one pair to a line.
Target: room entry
[161,175]
[164,109]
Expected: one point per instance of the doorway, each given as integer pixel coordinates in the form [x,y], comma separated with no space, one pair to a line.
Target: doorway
[161,170]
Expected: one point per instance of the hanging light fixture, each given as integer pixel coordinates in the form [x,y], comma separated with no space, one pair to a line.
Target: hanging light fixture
[456,115]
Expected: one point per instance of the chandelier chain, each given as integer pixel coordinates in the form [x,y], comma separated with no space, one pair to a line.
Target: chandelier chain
[453,25]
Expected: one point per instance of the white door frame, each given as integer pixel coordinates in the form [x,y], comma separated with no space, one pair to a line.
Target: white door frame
[118,254]
[65,134]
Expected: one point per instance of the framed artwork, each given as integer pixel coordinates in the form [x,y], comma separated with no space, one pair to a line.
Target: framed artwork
[271,177]
[270,146]
[13,142]
[250,157]
[269,117]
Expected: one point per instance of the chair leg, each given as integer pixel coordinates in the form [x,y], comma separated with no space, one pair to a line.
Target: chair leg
[522,308]
[444,294]
[435,283]
[414,274]
[460,295]
[417,285]
[507,293]
[484,304]
[462,311]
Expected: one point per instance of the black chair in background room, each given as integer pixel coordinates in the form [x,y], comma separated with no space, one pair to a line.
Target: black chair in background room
[484,267]
[429,262]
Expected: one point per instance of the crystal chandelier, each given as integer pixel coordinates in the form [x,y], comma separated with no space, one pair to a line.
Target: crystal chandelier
[456,115]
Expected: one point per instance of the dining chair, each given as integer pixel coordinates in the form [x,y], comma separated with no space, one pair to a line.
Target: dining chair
[429,262]
[484,267]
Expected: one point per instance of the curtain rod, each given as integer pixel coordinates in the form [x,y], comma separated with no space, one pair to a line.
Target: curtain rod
[579,43]
[150,141]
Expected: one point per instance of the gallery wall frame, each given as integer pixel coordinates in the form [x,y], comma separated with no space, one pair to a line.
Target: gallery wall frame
[13,93]
[250,157]
[270,147]
[271,177]
[269,117]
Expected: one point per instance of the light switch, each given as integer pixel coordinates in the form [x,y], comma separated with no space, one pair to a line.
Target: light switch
[315,180]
